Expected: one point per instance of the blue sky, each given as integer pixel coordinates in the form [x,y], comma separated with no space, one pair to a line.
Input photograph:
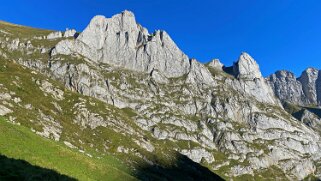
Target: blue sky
[279,34]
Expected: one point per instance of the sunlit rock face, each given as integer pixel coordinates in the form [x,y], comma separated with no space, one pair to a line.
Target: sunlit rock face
[251,81]
[120,41]
[246,68]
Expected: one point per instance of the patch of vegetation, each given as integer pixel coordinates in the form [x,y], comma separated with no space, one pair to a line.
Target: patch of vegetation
[220,73]
[19,142]
[291,108]
[22,31]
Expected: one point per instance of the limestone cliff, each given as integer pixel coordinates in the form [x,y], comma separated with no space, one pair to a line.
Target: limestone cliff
[121,42]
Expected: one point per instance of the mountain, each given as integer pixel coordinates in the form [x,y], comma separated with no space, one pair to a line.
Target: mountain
[304,91]
[117,91]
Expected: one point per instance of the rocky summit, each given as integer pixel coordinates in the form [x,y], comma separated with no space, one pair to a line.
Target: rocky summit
[117,90]
[121,42]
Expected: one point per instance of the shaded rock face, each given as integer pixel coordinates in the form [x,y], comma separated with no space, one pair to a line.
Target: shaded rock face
[310,119]
[318,87]
[120,41]
[303,91]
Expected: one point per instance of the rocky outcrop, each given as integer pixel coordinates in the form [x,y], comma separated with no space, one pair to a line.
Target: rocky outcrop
[286,87]
[302,91]
[308,80]
[246,68]
[216,64]
[250,80]
[310,119]
[198,154]
[121,42]
[54,35]
[4,110]
[198,73]
[318,87]
[70,33]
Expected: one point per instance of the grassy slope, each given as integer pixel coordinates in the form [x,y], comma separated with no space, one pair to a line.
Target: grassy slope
[20,143]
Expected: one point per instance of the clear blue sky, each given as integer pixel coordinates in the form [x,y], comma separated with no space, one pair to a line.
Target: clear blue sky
[279,34]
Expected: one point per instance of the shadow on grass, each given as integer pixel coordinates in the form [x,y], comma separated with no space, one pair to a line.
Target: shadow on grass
[184,169]
[20,170]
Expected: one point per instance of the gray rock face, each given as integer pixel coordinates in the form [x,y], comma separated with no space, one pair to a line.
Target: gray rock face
[250,80]
[52,128]
[216,64]
[286,87]
[257,88]
[4,110]
[54,35]
[70,33]
[121,42]
[48,88]
[308,81]
[310,119]
[199,73]
[246,68]
[14,45]
[198,154]
[318,87]
[302,91]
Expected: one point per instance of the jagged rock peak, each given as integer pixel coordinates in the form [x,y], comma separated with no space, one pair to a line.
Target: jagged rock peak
[121,42]
[199,73]
[246,67]
[309,75]
[304,91]
[311,70]
[118,25]
[286,87]
[308,80]
[283,74]
[124,18]
[216,64]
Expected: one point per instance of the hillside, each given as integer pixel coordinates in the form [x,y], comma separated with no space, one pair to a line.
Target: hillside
[124,103]
[20,143]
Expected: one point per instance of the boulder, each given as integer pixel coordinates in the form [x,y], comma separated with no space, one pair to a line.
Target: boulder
[54,35]
[70,33]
